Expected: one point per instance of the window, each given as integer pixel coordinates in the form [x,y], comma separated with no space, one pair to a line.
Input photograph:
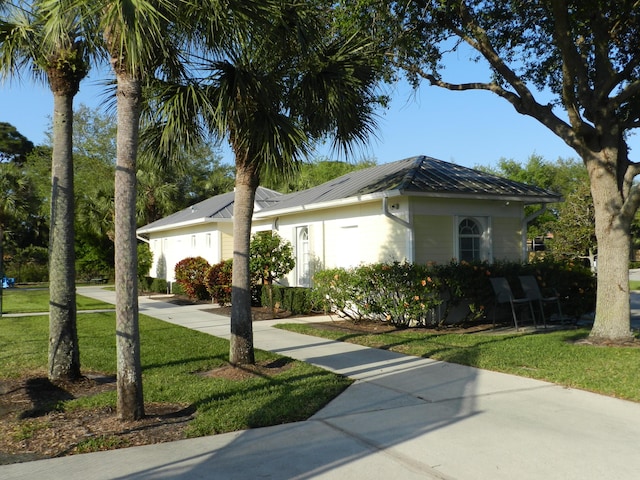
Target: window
[302,256]
[469,240]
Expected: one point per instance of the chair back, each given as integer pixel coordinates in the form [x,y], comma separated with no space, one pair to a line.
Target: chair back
[502,289]
[530,287]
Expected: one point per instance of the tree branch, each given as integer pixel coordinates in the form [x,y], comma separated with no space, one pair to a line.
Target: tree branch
[572,66]
[626,94]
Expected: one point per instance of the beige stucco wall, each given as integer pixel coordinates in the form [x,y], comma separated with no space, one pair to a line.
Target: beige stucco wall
[507,238]
[433,238]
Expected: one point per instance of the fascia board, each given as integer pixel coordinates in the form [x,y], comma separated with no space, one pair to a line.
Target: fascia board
[329,204]
[187,223]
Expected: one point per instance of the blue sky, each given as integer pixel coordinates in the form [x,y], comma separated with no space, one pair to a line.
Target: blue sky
[471,128]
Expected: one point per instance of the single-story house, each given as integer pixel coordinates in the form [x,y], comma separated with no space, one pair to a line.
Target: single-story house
[418,210]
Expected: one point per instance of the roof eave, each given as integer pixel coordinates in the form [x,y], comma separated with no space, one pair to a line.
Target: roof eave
[187,223]
[342,202]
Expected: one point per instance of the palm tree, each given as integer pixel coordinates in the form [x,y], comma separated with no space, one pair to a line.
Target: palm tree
[140,41]
[271,93]
[39,37]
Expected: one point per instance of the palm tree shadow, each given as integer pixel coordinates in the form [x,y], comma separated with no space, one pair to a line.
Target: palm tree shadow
[45,397]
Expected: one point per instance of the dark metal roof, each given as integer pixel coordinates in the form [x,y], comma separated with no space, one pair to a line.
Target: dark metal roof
[416,176]
[215,208]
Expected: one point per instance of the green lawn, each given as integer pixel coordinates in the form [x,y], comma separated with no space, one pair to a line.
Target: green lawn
[29,300]
[552,356]
[172,358]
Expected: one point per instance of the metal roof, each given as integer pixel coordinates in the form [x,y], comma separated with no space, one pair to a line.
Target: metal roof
[415,176]
[218,208]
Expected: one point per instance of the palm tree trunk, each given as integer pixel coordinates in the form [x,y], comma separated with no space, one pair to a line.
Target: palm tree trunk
[64,354]
[130,404]
[241,348]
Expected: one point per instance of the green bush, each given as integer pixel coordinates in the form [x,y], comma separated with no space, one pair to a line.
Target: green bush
[405,294]
[296,300]
[159,285]
[28,265]
[218,282]
[177,289]
[400,293]
[191,275]
[152,285]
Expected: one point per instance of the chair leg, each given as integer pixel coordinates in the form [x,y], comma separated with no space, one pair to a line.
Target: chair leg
[513,313]
[544,319]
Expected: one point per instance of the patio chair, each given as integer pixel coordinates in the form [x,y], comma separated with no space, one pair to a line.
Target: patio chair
[532,292]
[504,295]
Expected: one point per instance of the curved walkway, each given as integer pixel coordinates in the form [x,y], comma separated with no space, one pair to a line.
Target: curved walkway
[404,417]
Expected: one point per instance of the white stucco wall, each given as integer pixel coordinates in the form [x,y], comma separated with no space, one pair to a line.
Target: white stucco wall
[171,246]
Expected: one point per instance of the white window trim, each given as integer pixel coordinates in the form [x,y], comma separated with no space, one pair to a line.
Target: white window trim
[486,238]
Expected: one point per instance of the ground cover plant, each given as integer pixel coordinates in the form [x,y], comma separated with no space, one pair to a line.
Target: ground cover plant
[190,390]
[560,356]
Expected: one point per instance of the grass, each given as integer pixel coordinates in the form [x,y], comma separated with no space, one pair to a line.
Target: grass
[27,300]
[634,284]
[172,357]
[552,356]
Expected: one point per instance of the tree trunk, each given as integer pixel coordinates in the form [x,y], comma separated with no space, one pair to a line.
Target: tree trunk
[130,404]
[64,354]
[241,348]
[612,321]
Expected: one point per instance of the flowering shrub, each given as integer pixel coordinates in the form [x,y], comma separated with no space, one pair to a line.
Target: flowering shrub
[190,274]
[402,294]
[405,294]
[218,282]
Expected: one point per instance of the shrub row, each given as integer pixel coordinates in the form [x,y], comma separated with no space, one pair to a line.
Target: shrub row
[405,294]
[296,300]
[153,285]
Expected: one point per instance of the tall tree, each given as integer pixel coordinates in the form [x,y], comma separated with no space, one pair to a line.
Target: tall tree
[584,53]
[39,37]
[13,145]
[563,176]
[271,93]
[141,42]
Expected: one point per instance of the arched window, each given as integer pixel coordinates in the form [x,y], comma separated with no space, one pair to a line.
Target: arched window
[470,240]
[303,256]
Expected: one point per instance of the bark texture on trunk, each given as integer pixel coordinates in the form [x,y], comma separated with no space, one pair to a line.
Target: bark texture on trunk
[241,347]
[130,403]
[64,354]
[613,233]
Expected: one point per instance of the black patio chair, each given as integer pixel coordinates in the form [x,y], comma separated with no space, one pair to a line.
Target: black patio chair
[532,292]
[504,295]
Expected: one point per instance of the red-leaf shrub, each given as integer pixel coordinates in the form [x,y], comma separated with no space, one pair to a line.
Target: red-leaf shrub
[218,282]
[191,275]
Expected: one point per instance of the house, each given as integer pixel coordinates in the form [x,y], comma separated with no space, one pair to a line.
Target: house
[418,209]
[204,229]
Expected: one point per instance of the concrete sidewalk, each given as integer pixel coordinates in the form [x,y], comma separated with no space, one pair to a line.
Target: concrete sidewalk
[404,417]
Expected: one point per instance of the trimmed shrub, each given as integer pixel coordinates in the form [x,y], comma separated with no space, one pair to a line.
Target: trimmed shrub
[403,294]
[191,275]
[218,282]
[296,300]
[152,285]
